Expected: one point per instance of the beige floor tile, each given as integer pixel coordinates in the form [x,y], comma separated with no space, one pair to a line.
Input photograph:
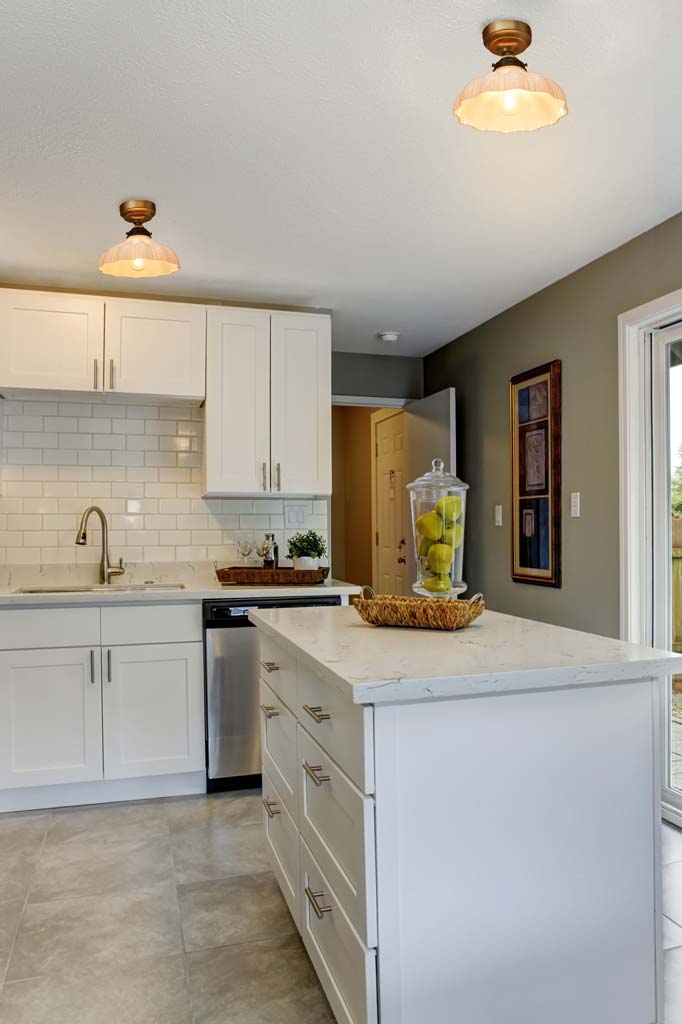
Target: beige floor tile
[233,910]
[96,867]
[269,982]
[202,855]
[149,992]
[10,915]
[142,820]
[96,930]
[221,810]
[21,840]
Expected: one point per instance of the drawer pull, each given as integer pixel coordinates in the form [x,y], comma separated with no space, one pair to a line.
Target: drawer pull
[313,897]
[311,770]
[317,714]
[271,807]
[269,711]
[270,666]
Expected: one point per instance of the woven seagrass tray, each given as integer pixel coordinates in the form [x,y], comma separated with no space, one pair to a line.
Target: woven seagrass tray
[259,577]
[419,612]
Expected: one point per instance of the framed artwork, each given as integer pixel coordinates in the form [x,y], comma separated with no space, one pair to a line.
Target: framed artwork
[535,428]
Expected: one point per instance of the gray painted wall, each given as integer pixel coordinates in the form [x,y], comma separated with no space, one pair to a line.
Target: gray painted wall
[355,373]
[574,320]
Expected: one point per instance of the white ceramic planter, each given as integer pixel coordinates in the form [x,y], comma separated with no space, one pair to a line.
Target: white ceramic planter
[306,563]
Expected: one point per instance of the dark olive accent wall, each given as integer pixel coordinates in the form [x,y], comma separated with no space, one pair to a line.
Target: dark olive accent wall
[575,320]
[355,373]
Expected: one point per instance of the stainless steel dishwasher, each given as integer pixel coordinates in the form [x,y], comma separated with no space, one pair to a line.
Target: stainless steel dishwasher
[232,674]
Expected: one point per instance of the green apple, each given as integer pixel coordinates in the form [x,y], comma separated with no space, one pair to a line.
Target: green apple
[450,508]
[430,525]
[453,535]
[440,558]
[424,545]
[437,584]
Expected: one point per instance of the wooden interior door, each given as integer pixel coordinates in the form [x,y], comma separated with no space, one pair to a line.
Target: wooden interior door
[390,563]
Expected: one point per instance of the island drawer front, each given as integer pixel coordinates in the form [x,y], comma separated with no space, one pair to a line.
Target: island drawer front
[343,729]
[337,823]
[344,965]
[278,745]
[278,669]
[33,628]
[281,835]
[158,624]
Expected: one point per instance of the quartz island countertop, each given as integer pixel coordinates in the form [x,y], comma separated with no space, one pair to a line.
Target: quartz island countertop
[497,654]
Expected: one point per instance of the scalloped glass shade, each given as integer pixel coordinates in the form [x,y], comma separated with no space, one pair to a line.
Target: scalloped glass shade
[510,100]
[139,256]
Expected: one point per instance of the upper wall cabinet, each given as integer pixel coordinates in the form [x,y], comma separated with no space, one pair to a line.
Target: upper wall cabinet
[268,403]
[237,433]
[300,425]
[51,340]
[155,348]
[59,342]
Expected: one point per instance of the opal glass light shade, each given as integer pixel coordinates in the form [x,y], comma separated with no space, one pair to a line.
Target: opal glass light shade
[139,256]
[510,99]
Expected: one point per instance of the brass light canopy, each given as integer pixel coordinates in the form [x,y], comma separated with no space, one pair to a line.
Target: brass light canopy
[139,255]
[510,98]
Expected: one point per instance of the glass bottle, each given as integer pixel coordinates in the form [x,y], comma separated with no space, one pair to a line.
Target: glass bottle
[438,504]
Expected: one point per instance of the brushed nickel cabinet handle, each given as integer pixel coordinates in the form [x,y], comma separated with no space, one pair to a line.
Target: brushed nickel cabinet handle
[92,666]
[111,374]
[264,468]
[279,476]
[109,665]
[316,713]
[270,666]
[269,711]
[96,375]
[271,807]
[311,770]
[313,897]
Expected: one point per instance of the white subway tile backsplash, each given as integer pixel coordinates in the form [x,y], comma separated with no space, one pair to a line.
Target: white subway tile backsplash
[142,465]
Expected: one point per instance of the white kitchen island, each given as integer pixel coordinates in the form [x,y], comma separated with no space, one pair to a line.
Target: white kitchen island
[466,825]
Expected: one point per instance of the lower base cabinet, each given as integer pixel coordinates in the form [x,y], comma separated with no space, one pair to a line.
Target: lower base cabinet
[83,714]
[50,717]
[281,835]
[152,709]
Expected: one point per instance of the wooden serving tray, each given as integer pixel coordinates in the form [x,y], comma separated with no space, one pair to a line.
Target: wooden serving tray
[258,577]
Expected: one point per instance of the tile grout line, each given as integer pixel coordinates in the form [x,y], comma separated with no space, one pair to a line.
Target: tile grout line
[26,898]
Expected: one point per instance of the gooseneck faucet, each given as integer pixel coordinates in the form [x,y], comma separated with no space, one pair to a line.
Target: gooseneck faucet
[106,570]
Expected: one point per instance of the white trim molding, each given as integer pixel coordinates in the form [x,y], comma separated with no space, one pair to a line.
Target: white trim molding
[635,463]
[375,403]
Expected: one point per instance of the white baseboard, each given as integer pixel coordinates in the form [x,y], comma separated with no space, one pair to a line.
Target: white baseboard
[101,792]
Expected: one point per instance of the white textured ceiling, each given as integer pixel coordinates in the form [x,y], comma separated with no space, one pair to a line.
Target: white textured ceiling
[304,151]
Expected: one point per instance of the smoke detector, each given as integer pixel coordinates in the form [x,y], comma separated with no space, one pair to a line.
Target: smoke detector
[391,337]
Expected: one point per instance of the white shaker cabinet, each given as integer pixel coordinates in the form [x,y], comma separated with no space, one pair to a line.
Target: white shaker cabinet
[155,348]
[268,403]
[153,709]
[237,434]
[51,340]
[50,717]
[301,403]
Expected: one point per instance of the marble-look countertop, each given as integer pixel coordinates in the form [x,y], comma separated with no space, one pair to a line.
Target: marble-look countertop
[199,580]
[497,654]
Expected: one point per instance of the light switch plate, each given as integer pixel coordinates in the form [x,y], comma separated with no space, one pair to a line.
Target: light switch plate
[498,515]
[575,504]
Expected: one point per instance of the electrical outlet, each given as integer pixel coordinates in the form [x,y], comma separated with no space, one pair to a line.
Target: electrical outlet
[498,515]
[575,504]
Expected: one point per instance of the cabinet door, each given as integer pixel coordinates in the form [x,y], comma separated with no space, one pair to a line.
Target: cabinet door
[155,348]
[51,341]
[153,709]
[50,717]
[237,434]
[301,403]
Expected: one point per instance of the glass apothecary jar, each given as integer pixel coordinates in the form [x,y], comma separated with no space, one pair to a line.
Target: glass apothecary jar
[438,502]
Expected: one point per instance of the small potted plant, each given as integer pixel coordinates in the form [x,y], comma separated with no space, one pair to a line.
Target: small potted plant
[306,550]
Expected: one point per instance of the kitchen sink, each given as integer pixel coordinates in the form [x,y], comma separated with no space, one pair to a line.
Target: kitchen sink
[102,588]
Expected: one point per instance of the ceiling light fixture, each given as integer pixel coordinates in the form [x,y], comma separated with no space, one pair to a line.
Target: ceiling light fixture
[510,98]
[138,256]
[389,336]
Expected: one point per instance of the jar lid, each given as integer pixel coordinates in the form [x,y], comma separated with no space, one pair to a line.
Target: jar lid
[438,478]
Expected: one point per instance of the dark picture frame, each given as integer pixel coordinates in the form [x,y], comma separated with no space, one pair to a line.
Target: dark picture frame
[535,435]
